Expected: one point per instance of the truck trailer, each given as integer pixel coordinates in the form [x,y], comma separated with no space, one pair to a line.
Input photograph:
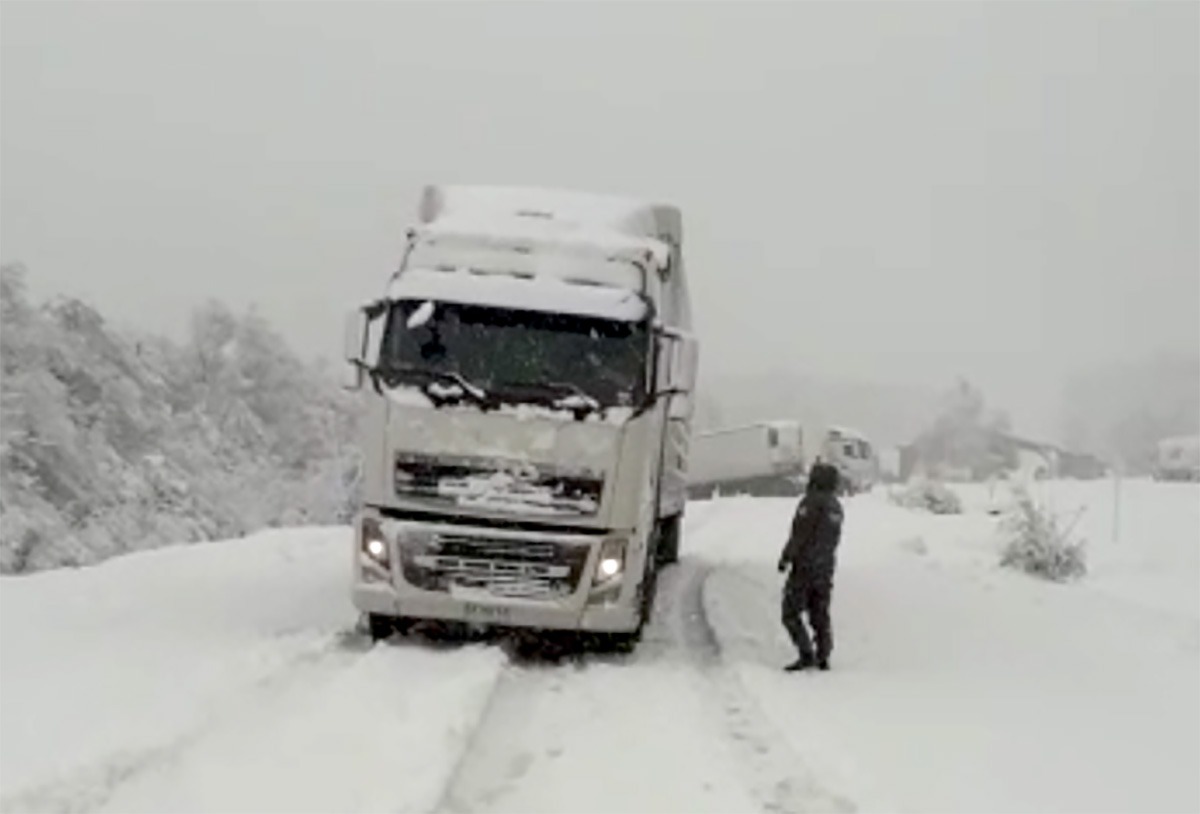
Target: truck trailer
[763,459]
[527,385]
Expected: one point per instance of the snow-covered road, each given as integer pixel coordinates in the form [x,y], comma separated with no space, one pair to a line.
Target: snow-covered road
[226,677]
[667,729]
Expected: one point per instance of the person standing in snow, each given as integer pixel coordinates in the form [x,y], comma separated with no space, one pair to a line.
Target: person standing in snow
[811,554]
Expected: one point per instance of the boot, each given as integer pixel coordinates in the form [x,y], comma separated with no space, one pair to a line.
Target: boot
[802,663]
[823,664]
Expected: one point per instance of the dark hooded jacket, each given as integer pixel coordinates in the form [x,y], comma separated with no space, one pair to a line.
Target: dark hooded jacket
[811,550]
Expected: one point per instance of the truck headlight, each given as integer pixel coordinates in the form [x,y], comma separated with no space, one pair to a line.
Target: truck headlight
[377,549]
[611,561]
[373,542]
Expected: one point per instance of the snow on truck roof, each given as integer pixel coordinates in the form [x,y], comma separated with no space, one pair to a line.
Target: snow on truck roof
[849,432]
[778,424]
[545,294]
[523,233]
[537,249]
[569,222]
[603,213]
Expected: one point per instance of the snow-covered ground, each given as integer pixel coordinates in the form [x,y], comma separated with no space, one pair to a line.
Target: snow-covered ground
[222,677]
[226,676]
[958,686]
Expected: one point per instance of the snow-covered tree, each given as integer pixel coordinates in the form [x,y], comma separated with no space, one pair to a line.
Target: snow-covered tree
[961,436]
[112,441]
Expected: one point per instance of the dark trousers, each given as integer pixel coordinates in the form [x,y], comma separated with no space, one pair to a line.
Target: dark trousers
[805,594]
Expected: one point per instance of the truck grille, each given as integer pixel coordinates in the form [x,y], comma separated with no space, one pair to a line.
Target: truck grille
[497,485]
[503,567]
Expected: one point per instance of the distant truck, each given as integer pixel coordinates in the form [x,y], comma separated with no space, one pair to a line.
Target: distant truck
[1178,459]
[763,459]
[853,455]
[527,384]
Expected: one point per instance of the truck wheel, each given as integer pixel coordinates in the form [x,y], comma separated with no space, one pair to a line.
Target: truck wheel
[618,642]
[667,551]
[380,626]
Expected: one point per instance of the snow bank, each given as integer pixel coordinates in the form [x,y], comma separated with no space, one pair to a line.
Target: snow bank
[221,676]
[927,495]
[959,686]
[1141,535]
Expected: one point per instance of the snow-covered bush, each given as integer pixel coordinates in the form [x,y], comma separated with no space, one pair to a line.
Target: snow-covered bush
[928,495]
[1036,542]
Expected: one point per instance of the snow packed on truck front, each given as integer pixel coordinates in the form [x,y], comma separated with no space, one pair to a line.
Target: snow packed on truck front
[507,460]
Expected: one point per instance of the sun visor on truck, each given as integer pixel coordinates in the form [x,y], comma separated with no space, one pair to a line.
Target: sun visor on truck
[542,294]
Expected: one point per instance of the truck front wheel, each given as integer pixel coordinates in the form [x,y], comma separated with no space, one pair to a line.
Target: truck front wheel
[618,643]
[380,626]
[667,550]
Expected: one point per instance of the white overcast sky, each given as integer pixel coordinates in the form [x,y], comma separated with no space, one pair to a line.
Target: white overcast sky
[895,191]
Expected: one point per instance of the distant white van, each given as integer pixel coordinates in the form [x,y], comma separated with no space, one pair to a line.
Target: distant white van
[1178,459]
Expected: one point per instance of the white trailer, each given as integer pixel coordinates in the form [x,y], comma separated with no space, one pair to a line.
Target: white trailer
[766,458]
[527,386]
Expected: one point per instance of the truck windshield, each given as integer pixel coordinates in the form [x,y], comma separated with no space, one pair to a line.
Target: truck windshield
[516,355]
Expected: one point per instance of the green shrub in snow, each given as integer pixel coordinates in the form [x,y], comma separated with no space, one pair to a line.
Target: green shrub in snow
[1037,543]
[928,495]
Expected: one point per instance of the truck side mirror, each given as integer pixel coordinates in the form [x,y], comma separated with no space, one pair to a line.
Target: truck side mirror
[664,349]
[353,344]
[675,370]
[360,342]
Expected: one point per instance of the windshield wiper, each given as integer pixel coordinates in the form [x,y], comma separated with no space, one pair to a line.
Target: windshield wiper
[393,374]
[571,396]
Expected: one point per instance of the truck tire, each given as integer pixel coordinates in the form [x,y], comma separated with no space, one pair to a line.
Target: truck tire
[667,551]
[621,643]
[626,641]
[380,626]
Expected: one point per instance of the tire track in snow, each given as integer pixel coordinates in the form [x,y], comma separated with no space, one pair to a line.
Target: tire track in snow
[90,788]
[363,731]
[669,728]
[778,777]
[601,734]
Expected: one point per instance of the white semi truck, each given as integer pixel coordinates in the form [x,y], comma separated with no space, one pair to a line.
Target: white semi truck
[527,385]
[765,458]
[854,456]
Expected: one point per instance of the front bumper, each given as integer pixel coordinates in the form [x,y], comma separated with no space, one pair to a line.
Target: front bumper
[414,587]
[416,604]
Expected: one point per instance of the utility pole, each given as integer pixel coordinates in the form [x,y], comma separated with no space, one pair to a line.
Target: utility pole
[1116,515]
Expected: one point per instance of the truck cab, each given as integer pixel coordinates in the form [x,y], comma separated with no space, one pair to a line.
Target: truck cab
[527,384]
[854,456]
